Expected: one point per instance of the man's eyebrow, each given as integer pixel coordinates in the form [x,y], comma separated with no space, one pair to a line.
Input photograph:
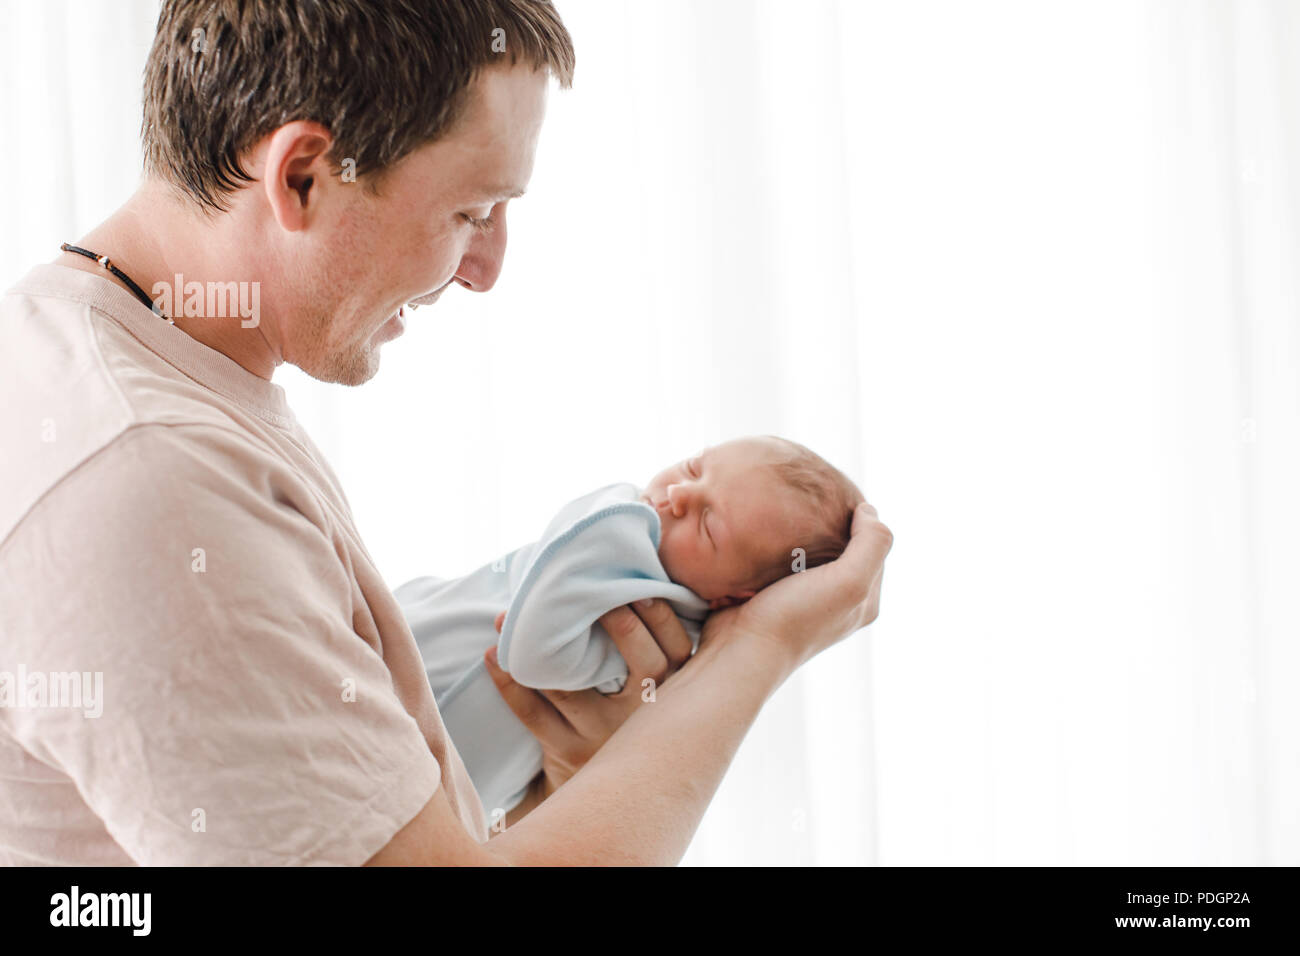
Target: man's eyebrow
[496,194]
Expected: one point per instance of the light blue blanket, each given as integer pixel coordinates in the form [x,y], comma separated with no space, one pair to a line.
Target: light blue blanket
[600,551]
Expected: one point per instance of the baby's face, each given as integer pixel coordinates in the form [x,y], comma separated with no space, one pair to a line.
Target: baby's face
[721,512]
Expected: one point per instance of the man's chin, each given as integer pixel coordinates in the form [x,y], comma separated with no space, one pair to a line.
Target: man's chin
[360,374]
[362,364]
[353,368]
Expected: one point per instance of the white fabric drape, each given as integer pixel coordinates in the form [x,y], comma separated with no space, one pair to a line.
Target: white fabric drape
[1024,270]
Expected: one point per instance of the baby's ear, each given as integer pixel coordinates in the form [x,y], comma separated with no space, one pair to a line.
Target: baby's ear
[731,600]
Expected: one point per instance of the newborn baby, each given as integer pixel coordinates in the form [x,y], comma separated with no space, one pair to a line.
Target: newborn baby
[706,533]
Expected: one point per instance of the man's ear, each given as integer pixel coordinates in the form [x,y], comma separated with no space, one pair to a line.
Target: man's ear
[294,171]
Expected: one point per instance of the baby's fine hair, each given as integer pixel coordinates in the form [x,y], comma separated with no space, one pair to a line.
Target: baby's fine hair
[833,497]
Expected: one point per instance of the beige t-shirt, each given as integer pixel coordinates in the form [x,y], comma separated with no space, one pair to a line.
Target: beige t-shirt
[176,554]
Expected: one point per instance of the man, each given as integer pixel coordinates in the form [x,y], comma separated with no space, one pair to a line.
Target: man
[171,535]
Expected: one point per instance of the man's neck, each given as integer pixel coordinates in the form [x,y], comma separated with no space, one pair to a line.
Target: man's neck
[154,238]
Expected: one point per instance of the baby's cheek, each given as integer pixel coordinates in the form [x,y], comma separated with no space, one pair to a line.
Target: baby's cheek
[732,570]
[676,561]
[668,554]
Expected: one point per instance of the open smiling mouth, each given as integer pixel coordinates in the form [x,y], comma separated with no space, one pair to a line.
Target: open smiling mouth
[432,297]
[395,324]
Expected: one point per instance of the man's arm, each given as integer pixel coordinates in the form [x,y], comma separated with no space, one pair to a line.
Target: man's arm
[537,792]
[640,798]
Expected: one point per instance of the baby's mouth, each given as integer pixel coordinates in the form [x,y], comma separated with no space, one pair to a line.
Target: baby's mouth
[661,509]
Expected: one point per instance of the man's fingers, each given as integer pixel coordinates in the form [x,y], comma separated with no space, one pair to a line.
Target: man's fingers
[587,711]
[869,544]
[529,706]
[501,619]
[664,626]
[851,583]
[866,519]
[554,717]
[644,656]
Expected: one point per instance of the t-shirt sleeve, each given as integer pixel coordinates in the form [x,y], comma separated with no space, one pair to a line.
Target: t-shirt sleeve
[241,719]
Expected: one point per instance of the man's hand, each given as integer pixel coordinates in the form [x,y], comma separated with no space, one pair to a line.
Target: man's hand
[572,725]
[806,613]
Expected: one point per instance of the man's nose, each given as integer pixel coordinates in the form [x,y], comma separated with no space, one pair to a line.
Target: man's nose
[481,264]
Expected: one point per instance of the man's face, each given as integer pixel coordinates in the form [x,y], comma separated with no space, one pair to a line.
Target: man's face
[439,217]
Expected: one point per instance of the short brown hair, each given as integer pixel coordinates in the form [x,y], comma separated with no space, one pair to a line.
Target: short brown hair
[383,76]
[831,497]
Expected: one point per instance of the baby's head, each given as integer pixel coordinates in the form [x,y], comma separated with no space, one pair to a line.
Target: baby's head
[733,515]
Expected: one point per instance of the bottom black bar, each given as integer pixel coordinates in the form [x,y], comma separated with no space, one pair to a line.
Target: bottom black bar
[1222,907]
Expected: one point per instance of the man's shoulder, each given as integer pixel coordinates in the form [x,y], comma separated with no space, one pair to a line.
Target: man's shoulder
[72,352]
[77,387]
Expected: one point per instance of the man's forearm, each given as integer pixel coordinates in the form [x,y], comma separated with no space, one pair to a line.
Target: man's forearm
[537,792]
[640,798]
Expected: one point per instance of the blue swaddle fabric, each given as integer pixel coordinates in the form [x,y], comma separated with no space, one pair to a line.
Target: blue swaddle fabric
[599,552]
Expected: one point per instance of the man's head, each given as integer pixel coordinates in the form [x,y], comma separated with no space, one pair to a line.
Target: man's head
[731,516]
[363,151]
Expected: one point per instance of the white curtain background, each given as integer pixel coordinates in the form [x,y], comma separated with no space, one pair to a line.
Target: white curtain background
[1025,270]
